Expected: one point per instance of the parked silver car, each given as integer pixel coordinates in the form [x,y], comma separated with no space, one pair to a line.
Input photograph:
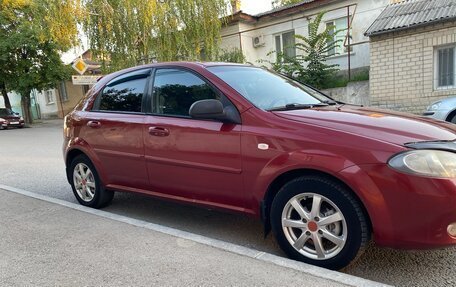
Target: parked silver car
[444,110]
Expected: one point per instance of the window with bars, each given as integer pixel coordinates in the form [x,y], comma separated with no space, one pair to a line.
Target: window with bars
[285,43]
[49,97]
[445,76]
[63,91]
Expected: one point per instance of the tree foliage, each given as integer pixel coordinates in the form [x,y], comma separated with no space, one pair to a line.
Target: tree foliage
[234,55]
[281,3]
[32,34]
[315,51]
[125,33]
[309,65]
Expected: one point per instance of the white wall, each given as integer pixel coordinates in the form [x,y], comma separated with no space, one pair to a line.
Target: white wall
[15,100]
[47,110]
[230,37]
[365,12]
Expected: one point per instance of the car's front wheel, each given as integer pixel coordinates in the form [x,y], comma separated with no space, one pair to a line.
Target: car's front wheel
[318,221]
[452,119]
[86,183]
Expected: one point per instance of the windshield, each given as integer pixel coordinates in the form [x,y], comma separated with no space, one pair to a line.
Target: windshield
[267,90]
[5,112]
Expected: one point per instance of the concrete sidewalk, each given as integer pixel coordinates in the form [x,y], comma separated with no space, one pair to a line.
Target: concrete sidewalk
[47,244]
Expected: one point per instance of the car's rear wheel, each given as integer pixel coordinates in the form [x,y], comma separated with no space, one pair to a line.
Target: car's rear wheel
[453,119]
[318,221]
[86,183]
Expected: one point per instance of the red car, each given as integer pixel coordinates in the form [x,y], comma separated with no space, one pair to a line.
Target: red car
[8,119]
[321,174]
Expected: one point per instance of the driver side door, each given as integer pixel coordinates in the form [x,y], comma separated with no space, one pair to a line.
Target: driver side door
[189,159]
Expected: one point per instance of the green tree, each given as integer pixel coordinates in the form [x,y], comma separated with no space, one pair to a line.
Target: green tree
[234,55]
[315,51]
[310,65]
[281,3]
[32,34]
[125,33]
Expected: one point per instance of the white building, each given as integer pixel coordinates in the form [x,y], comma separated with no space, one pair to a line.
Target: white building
[47,103]
[257,35]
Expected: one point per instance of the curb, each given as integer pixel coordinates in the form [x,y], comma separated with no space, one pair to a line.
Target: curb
[219,244]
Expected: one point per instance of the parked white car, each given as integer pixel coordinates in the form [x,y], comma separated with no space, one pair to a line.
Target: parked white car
[444,110]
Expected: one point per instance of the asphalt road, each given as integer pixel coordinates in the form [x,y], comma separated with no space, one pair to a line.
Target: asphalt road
[31,159]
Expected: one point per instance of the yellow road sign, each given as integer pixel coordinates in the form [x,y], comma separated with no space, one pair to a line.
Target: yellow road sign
[80,66]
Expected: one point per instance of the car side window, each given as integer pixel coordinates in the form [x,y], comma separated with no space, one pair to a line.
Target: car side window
[176,90]
[124,94]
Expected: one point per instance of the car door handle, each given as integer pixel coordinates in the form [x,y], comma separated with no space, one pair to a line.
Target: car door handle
[94,124]
[158,131]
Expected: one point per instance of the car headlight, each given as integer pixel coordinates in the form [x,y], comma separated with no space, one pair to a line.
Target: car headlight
[432,163]
[21,118]
[434,106]
[2,120]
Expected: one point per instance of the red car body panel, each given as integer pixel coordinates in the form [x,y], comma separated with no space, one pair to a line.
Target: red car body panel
[181,163]
[393,127]
[118,138]
[220,165]
[406,211]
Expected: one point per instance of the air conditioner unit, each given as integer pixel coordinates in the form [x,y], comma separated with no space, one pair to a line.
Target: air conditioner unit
[258,41]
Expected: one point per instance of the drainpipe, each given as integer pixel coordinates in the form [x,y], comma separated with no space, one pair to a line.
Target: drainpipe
[348,43]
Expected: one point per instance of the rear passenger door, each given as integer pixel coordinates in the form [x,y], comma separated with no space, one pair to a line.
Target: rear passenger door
[189,158]
[114,129]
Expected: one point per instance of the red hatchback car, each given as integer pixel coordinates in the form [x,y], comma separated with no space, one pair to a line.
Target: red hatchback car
[322,174]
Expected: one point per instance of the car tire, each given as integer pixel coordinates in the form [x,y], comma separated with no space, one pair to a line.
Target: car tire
[317,208]
[453,119]
[86,183]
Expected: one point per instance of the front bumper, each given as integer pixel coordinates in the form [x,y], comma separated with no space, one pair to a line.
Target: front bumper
[15,124]
[406,211]
[438,114]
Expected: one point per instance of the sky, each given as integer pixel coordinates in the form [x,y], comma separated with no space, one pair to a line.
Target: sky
[247,6]
[255,6]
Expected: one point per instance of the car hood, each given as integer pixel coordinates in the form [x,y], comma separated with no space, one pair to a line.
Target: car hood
[388,126]
[9,118]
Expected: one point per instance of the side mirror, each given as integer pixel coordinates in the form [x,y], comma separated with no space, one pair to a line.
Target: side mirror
[213,110]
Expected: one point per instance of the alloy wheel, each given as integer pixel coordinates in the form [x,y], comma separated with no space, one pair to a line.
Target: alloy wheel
[84,182]
[314,226]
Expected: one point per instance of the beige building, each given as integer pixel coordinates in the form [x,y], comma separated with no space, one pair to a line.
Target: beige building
[68,96]
[412,54]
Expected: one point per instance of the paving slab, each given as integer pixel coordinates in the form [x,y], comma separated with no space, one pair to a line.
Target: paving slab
[48,244]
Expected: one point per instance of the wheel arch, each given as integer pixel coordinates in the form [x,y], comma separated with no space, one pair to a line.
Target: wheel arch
[286,177]
[77,150]
[72,154]
[450,115]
